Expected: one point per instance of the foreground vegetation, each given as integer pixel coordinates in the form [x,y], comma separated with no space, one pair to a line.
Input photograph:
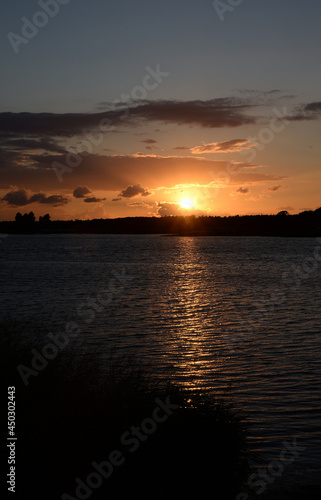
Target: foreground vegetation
[76,411]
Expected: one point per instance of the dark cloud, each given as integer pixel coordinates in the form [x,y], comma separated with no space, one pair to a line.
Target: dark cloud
[34,144]
[22,197]
[17,198]
[275,188]
[310,111]
[41,130]
[223,112]
[243,190]
[87,195]
[135,190]
[149,141]
[313,107]
[81,192]
[93,199]
[55,199]
[54,125]
[10,158]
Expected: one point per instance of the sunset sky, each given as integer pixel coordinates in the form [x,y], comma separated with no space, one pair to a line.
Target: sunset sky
[158,107]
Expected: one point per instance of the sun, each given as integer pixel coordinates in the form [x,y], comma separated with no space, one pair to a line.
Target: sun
[186,203]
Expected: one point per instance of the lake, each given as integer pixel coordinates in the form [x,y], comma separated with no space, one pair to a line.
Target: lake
[233,316]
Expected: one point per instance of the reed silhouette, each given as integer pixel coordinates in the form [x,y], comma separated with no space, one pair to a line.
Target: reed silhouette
[76,410]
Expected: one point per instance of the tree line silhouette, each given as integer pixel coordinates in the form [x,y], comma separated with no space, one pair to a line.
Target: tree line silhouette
[307,223]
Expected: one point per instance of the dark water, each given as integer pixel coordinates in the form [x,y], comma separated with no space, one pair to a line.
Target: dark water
[186,303]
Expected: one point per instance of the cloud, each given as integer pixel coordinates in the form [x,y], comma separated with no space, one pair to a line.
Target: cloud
[42,130]
[56,199]
[243,190]
[181,148]
[149,141]
[144,155]
[310,111]
[274,188]
[231,146]
[113,172]
[54,125]
[22,197]
[135,190]
[166,209]
[313,107]
[17,198]
[34,144]
[221,112]
[81,192]
[93,199]
[139,204]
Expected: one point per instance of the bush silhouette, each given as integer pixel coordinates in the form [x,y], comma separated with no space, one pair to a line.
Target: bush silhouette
[76,410]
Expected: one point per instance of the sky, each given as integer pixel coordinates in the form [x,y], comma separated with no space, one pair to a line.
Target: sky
[153,108]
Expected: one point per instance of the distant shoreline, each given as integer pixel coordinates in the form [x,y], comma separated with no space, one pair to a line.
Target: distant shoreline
[304,224]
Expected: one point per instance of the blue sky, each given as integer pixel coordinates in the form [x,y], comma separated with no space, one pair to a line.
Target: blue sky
[90,53]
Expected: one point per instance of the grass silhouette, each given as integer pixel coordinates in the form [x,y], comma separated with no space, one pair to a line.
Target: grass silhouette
[77,409]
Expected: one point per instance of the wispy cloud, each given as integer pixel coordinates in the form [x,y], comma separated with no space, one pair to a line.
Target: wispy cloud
[222,112]
[310,111]
[33,145]
[231,146]
[139,204]
[113,173]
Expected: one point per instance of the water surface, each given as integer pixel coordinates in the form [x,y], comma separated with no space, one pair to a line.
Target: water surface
[182,305]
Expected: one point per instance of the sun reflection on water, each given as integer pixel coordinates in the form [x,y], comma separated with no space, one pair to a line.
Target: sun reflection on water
[189,304]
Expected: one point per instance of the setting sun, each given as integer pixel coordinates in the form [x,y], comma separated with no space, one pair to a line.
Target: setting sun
[186,203]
